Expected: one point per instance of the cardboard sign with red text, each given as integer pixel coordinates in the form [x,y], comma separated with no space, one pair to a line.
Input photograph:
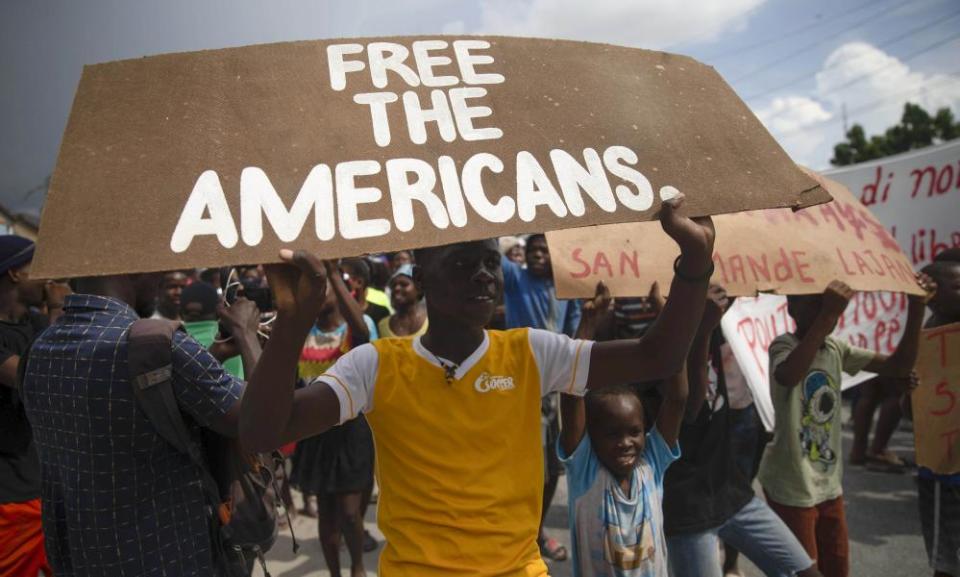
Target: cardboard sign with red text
[936,402]
[776,250]
[344,147]
[871,321]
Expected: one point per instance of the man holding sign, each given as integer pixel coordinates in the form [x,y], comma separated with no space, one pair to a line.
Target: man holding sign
[937,419]
[456,413]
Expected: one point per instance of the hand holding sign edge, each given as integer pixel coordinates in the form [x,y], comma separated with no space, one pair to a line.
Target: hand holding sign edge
[694,236]
[299,285]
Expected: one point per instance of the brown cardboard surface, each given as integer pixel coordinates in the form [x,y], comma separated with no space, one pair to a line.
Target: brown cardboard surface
[146,135]
[936,401]
[774,250]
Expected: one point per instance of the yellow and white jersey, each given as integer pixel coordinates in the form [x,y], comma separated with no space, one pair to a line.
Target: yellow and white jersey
[459,463]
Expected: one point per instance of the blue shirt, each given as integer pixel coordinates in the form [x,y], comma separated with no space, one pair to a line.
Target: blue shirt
[117,500]
[531,301]
[615,534]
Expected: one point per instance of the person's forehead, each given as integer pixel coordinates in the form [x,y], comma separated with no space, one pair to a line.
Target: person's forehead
[469,247]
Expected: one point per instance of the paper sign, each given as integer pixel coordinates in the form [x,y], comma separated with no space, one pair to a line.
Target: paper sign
[916,195]
[936,402]
[872,321]
[777,250]
[350,146]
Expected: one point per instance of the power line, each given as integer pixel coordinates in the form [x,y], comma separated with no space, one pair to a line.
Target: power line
[807,47]
[790,34]
[890,41]
[879,103]
[856,79]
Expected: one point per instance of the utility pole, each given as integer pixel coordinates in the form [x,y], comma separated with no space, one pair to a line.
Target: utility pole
[843,115]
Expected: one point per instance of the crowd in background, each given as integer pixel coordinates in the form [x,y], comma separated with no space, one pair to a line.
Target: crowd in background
[660,472]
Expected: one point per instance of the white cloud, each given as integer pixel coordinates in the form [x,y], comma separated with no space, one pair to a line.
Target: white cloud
[790,115]
[643,23]
[859,75]
[873,86]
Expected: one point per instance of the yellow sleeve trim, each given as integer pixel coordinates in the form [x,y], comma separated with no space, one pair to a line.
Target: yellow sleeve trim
[345,390]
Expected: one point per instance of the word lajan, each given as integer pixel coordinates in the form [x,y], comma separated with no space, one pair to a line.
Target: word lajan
[334,196]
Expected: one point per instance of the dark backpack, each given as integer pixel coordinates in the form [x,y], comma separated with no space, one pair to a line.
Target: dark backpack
[237,485]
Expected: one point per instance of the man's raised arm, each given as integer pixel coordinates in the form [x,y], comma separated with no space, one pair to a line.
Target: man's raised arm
[271,413]
[662,352]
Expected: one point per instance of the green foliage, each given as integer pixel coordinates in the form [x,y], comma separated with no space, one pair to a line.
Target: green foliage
[916,129]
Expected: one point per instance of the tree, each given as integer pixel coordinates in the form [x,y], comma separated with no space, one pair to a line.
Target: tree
[916,129]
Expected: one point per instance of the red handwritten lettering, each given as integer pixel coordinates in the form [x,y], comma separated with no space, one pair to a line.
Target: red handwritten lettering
[600,261]
[631,261]
[575,256]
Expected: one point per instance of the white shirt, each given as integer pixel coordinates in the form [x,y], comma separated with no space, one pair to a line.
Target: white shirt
[564,365]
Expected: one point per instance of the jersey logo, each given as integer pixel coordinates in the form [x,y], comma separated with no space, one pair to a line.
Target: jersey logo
[487,382]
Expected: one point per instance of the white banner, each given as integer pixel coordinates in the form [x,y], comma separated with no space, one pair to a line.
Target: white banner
[916,195]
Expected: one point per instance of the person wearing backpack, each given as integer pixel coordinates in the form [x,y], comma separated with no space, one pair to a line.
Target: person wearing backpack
[117,497]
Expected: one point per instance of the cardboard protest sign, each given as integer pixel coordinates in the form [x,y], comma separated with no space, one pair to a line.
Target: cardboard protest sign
[936,402]
[871,321]
[775,250]
[350,146]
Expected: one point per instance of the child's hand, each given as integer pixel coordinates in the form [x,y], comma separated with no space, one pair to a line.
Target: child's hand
[835,299]
[695,236]
[593,312]
[657,302]
[929,287]
[717,304]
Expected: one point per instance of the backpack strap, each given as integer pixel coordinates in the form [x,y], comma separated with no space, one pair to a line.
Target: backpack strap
[150,362]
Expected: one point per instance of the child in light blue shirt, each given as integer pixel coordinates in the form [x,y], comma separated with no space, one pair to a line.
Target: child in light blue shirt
[615,471]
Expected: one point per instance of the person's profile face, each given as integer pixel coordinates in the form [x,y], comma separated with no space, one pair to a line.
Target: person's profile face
[29,291]
[946,302]
[615,425]
[464,281]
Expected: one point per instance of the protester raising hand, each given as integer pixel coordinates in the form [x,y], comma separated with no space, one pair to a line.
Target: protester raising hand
[299,285]
[594,312]
[695,237]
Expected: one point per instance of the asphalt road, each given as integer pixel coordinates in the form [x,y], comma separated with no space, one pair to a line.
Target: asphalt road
[884,528]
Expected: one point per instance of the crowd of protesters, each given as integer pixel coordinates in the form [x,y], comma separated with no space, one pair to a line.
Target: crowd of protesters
[454,385]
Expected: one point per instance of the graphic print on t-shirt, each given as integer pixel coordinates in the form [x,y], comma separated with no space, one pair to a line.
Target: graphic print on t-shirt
[820,403]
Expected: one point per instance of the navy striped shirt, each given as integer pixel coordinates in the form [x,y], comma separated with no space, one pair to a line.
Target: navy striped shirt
[117,499]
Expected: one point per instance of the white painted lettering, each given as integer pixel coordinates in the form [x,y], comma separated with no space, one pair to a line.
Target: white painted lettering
[339,67]
[418,117]
[573,178]
[350,196]
[534,189]
[206,196]
[467,62]
[378,113]
[640,200]
[505,208]
[386,56]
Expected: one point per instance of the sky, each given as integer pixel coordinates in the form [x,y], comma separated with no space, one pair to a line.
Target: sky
[798,64]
